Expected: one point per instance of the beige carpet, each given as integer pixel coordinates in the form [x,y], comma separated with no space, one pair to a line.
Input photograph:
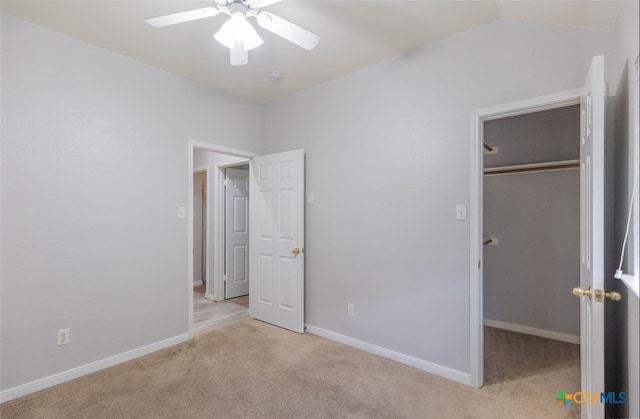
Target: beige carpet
[254,370]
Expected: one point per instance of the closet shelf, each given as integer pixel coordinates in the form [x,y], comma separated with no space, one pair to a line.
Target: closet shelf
[535,167]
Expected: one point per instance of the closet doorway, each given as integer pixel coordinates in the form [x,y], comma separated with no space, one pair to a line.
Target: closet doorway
[531,246]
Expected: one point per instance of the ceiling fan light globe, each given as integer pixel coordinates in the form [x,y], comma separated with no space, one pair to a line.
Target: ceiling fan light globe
[238,54]
[236,28]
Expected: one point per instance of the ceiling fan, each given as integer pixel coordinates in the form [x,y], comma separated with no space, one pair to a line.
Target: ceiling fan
[237,33]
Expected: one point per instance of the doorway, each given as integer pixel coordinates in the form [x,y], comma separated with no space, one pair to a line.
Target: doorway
[477,233]
[214,159]
[276,219]
[531,256]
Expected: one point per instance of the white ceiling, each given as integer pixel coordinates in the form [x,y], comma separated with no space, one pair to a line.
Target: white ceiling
[353,34]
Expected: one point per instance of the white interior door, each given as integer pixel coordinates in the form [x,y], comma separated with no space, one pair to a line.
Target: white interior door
[592,119]
[276,202]
[237,233]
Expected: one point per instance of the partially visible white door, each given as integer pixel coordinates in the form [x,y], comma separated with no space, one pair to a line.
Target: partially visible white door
[592,119]
[276,203]
[237,233]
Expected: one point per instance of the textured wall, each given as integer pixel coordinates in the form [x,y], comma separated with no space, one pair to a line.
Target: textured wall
[94,165]
[388,156]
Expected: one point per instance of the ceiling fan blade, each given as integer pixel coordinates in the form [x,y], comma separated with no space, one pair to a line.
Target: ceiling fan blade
[180,17]
[287,30]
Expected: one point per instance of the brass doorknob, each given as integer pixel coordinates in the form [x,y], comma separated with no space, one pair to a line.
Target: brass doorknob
[613,296]
[581,292]
[598,295]
[296,251]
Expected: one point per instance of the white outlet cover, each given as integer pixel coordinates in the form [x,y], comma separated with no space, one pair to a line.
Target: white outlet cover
[63,337]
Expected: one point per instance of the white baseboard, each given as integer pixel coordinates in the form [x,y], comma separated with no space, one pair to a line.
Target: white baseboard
[420,364]
[212,297]
[197,283]
[59,378]
[564,337]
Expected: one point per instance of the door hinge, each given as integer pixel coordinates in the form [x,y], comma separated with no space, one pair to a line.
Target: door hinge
[224,182]
[479,265]
[224,278]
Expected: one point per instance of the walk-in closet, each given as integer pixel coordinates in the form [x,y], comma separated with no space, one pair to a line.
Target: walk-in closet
[531,223]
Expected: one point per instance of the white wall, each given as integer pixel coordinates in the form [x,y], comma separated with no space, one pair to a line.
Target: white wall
[622,324]
[211,158]
[388,156]
[94,165]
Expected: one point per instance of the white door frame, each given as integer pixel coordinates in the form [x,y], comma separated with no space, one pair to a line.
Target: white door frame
[478,117]
[219,214]
[192,146]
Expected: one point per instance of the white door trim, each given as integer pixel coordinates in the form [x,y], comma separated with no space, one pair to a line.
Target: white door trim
[478,117]
[192,146]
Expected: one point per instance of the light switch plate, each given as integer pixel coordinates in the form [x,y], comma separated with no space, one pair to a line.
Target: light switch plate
[181,213]
[310,198]
[461,212]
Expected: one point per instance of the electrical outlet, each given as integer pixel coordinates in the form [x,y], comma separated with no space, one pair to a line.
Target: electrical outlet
[351,310]
[63,337]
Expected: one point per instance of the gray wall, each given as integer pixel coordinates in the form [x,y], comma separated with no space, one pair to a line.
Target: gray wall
[622,319]
[536,217]
[94,165]
[534,138]
[388,151]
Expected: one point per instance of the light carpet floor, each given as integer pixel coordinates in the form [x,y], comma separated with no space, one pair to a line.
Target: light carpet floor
[254,370]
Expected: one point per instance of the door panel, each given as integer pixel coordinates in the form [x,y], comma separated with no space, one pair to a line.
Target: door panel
[592,158]
[237,233]
[277,239]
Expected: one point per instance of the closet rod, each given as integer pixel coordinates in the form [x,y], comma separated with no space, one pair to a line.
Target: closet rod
[536,167]
[487,147]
